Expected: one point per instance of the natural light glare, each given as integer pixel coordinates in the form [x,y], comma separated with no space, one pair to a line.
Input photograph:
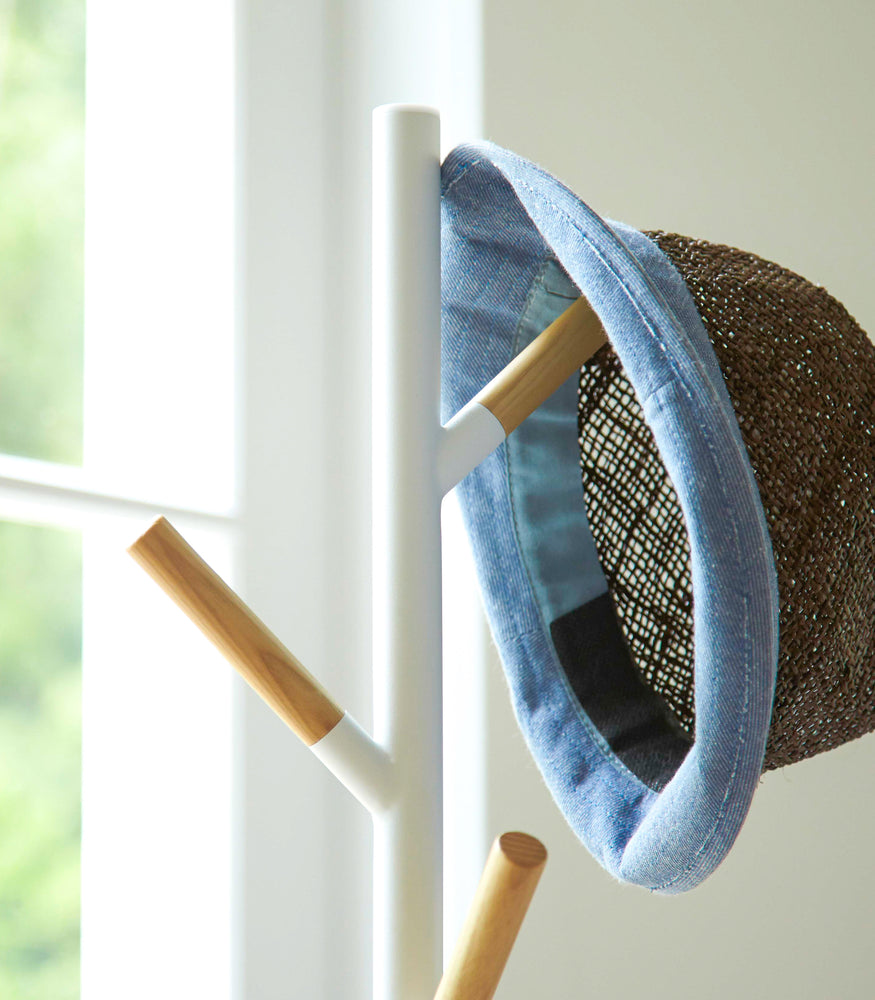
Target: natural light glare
[466,838]
[159,307]
[156,845]
[159,425]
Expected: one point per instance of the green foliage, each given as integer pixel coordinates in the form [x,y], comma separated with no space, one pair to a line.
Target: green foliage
[42,110]
[42,138]
[40,762]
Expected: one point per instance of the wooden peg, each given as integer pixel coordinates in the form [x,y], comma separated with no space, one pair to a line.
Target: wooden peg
[265,663]
[538,371]
[506,887]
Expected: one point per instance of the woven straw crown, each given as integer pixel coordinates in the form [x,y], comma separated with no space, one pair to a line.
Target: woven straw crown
[801,376]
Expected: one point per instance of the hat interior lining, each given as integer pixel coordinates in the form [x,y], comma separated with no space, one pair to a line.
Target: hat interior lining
[566,571]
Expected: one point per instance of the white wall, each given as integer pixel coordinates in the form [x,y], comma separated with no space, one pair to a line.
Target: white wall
[751,123]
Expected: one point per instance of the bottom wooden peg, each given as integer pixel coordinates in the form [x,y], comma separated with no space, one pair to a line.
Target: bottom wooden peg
[506,887]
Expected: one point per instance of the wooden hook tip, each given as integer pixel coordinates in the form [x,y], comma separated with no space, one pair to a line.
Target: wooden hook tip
[160,526]
[264,662]
[522,850]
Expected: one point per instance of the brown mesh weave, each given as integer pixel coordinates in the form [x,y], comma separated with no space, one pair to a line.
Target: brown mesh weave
[801,376]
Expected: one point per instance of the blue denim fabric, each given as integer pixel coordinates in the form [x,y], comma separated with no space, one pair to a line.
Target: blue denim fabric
[515,245]
[543,461]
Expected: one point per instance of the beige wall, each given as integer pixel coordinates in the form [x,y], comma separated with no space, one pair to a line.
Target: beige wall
[752,124]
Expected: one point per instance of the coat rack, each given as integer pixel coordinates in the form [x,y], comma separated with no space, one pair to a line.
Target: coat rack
[397,773]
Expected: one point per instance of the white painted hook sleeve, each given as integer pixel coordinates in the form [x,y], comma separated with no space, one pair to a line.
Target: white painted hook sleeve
[472,434]
[359,763]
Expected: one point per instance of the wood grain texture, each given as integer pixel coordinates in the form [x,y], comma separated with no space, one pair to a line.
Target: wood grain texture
[509,879]
[538,371]
[265,663]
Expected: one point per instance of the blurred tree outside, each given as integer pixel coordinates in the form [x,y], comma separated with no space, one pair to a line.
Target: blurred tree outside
[42,142]
[42,112]
[40,761]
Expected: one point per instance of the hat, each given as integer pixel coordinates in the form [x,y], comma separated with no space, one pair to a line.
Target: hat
[640,539]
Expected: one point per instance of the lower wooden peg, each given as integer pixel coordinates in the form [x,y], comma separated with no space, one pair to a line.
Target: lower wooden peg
[509,879]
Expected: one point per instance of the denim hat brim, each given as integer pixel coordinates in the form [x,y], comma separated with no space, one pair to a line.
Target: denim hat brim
[516,246]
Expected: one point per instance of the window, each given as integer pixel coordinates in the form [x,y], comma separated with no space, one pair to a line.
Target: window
[42,119]
[117,359]
[40,734]
[41,304]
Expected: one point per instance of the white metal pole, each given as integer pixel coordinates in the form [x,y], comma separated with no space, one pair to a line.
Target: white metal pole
[407,553]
